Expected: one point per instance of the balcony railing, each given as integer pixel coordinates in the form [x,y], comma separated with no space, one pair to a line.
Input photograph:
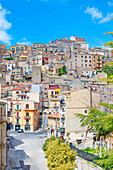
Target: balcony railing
[27,117]
[17,117]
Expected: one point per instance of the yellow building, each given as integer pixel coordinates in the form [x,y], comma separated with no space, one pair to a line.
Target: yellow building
[23,55]
[17,49]
[53,91]
[25,113]
[96,61]
[3,138]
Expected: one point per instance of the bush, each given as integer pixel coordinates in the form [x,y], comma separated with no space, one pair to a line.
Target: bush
[59,155]
[46,142]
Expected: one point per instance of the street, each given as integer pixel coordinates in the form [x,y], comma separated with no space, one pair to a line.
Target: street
[25,151]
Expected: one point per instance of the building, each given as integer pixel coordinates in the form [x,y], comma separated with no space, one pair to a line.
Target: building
[17,49]
[79,101]
[3,50]
[26,112]
[3,136]
[36,74]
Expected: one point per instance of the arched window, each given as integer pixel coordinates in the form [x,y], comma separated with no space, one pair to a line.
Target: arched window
[27,114]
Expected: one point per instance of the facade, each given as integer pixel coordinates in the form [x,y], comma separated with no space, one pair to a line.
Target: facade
[3,136]
[36,74]
[17,49]
[79,101]
[25,114]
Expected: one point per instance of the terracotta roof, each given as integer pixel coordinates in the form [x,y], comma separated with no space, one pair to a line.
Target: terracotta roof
[16,89]
[53,115]
[45,82]
[26,90]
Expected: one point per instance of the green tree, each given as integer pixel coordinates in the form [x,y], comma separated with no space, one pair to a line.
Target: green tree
[60,156]
[98,121]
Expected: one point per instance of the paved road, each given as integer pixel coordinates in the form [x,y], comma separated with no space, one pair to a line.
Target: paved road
[25,151]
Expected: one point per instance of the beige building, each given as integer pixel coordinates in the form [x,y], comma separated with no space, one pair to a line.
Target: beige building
[25,112]
[79,101]
[3,139]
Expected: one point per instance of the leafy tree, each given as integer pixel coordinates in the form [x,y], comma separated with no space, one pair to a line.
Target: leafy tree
[62,71]
[98,121]
[60,156]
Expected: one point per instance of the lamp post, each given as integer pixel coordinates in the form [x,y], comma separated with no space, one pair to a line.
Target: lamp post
[56,118]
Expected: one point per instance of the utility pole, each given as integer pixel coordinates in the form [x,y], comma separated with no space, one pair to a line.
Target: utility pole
[56,118]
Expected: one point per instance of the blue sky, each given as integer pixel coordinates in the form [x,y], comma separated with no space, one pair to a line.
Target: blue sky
[28,21]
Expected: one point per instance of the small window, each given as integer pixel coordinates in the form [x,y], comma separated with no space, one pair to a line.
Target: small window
[85,56]
[85,111]
[81,56]
[27,106]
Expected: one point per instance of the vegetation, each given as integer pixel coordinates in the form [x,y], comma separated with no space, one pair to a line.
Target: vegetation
[9,58]
[106,162]
[59,155]
[62,71]
[101,122]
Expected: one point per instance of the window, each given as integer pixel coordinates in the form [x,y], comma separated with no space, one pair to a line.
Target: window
[17,107]
[17,51]
[89,56]
[27,114]
[17,76]
[89,61]
[89,64]
[51,93]
[17,92]
[27,121]
[18,71]
[75,55]
[85,111]
[17,48]
[22,48]
[17,114]
[18,68]
[82,65]
[81,56]
[98,57]
[13,48]
[82,60]
[17,121]
[94,56]
[85,60]
[27,106]
[75,59]
[85,56]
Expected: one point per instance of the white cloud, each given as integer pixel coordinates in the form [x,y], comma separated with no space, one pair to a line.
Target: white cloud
[4,26]
[24,42]
[110,3]
[94,12]
[5,38]
[106,19]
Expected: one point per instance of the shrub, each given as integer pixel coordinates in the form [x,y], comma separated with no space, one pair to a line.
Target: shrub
[59,155]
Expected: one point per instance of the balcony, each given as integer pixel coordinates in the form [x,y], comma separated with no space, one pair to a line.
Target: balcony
[27,117]
[17,117]
[18,110]
[63,116]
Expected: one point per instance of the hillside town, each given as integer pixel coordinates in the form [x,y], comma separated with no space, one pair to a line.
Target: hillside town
[43,87]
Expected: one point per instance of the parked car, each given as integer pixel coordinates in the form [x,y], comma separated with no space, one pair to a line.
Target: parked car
[20,131]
